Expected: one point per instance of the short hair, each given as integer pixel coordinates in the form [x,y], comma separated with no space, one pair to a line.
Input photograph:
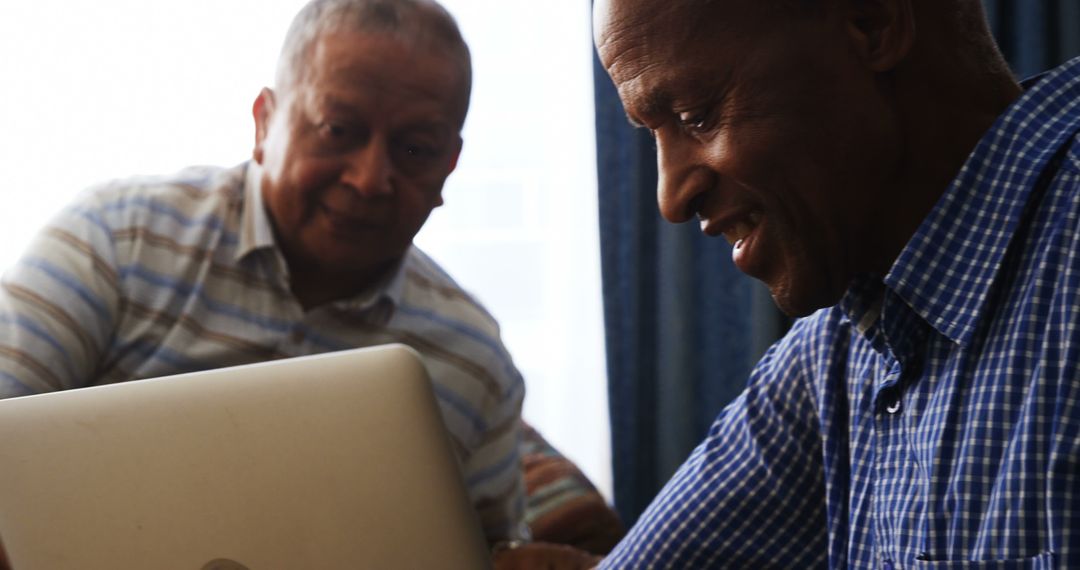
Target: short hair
[419,20]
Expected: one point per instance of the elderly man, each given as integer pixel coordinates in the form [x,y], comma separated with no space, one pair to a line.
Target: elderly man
[877,166]
[306,249]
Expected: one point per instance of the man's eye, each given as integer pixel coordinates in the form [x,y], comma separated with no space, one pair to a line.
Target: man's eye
[694,121]
[419,151]
[334,130]
[416,158]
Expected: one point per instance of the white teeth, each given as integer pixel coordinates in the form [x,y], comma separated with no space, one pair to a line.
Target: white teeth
[740,230]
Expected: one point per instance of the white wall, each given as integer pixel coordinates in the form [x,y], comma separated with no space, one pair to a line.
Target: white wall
[97,90]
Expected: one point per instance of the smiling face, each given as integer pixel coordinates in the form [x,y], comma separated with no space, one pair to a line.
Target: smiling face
[768,129]
[356,150]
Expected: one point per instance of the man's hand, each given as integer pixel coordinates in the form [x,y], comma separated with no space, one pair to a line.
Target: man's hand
[544,556]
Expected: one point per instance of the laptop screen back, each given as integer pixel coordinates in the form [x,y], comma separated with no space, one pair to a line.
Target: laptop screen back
[331,461]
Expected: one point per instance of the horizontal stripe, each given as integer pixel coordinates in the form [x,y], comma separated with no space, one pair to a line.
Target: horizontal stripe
[509,462]
[460,405]
[510,424]
[184,290]
[12,387]
[73,284]
[466,330]
[31,362]
[92,216]
[461,328]
[55,312]
[441,288]
[166,321]
[32,327]
[103,269]
[162,211]
[438,352]
[163,359]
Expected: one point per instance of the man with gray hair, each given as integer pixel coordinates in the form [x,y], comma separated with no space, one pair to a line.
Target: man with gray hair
[305,249]
[876,165]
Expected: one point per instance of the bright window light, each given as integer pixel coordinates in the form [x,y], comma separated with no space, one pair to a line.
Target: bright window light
[112,88]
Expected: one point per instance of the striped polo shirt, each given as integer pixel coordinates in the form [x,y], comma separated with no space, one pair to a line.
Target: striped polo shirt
[157,276]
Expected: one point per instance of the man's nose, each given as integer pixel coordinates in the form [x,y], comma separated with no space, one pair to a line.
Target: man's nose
[369,169]
[677,183]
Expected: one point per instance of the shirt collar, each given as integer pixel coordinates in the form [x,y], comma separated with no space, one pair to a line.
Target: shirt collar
[946,271]
[255,229]
[257,234]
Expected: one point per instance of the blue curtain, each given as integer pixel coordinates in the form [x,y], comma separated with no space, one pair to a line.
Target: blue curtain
[1035,35]
[683,326]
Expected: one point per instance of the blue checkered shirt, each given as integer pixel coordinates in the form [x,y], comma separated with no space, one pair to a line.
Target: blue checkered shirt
[931,419]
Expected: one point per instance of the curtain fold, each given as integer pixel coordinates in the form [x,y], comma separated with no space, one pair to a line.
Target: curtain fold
[1035,35]
[683,326]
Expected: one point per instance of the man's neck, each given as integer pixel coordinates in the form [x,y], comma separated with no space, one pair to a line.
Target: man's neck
[945,114]
[313,288]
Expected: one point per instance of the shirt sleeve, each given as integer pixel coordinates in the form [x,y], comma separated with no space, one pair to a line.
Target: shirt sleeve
[58,304]
[493,474]
[562,504]
[752,494]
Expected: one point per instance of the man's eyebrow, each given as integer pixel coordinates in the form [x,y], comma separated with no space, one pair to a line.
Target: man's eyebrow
[333,104]
[654,104]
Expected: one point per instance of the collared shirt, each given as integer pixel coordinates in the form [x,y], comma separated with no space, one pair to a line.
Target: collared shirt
[932,418]
[158,276]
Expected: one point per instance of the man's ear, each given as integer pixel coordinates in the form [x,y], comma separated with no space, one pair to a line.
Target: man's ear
[454,156]
[882,31]
[262,110]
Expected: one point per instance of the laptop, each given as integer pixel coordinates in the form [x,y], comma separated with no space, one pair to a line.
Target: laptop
[338,460]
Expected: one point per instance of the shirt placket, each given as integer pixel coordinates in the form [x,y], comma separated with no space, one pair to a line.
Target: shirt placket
[897,501]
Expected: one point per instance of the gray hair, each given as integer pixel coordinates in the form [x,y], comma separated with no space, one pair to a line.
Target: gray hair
[420,20]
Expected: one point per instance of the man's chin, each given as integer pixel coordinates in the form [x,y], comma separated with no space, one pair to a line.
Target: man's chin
[354,268]
[798,301]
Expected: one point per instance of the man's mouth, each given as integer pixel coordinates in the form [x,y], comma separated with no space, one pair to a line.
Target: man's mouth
[734,231]
[346,220]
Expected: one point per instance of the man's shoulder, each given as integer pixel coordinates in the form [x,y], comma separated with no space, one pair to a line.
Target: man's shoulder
[192,187]
[1047,117]
[429,287]
[198,199]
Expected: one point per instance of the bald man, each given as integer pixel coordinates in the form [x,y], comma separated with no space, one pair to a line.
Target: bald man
[875,163]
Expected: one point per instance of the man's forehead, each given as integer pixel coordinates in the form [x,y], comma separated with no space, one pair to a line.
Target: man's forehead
[654,29]
[679,21]
[640,44]
[616,19]
[385,61]
[350,71]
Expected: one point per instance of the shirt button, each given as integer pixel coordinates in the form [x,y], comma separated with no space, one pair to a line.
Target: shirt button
[887,565]
[893,407]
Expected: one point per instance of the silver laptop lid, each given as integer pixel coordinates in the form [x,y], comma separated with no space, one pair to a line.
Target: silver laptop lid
[332,461]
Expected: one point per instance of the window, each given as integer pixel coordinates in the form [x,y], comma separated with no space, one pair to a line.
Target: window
[108,89]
